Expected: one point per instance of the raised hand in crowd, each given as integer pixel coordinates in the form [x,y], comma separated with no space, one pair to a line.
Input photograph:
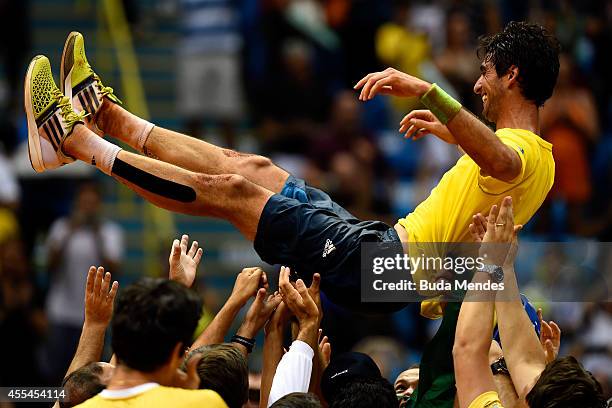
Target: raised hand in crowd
[99,300]
[258,314]
[246,286]
[550,338]
[184,261]
[302,304]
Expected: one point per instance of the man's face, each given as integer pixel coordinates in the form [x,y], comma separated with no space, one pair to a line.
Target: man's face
[490,88]
[406,383]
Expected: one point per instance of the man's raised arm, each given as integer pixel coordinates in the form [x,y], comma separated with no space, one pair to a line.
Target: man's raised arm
[475,323]
[99,298]
[523,352]
[448,120]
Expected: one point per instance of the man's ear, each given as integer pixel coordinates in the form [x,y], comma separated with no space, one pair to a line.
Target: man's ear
[512,76]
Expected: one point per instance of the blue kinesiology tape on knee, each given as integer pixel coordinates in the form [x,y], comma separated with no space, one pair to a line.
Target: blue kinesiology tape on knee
[153,184]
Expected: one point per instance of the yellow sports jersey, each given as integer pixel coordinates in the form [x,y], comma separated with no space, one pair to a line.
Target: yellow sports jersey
[463,191]
[155,396]
[443,218]
[488,399]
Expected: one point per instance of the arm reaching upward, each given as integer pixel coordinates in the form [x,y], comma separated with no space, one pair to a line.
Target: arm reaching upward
[247,284]
[523,352]
[99,298]
[475,323]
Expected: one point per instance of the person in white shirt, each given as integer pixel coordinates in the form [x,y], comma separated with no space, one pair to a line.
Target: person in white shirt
[74,244]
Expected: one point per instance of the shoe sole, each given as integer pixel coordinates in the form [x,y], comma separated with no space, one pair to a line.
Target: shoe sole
[34,150]
[67,64]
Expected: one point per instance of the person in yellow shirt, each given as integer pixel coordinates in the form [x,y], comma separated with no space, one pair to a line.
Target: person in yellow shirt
[289,222]
[153,323]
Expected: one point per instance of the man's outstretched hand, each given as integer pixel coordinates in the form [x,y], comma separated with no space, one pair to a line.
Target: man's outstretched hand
[183,262]
[99,297]
[391,82]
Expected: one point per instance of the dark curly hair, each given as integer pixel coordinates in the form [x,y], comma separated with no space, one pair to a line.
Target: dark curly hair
[565,383]
[151,317]
[532,50]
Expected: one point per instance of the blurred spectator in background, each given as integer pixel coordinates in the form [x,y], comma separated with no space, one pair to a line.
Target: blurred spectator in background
[595,344]
[571,123]
[9,199]
[209,67]
[400,47]
[75,243]
[296,101]
[22,320]
[347,161]
[458,62]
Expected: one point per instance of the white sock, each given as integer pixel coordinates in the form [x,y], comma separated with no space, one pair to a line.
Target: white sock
[101,151]
[139,138]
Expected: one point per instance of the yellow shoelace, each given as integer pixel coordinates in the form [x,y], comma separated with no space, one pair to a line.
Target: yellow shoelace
[69,116]
[105,90]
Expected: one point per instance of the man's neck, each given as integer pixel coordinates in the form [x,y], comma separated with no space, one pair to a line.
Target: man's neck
[519,114]
[125,377]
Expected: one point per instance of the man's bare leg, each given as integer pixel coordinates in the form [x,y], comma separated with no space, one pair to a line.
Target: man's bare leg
[185,151]
[228,196]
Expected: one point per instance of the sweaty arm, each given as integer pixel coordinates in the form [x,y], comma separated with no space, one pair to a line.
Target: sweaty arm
[484,147]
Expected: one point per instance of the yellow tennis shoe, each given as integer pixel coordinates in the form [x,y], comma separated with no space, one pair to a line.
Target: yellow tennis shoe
[80,83]
[50,116]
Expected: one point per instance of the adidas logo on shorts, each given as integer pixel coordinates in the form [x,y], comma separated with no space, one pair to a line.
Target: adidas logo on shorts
[329,248]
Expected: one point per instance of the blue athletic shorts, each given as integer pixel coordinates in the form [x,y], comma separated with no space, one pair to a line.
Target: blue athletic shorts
[303,228]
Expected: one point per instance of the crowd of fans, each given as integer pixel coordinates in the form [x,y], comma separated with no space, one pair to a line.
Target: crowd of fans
[289,66]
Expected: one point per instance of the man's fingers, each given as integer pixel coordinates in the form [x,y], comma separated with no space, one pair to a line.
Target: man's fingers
[326,351]
[422,114]
[503,215]
[194,249]
[260,296]
[274,301]
[264,280]
[546,330]
[556,330]
[184,243]
[283,281]
[113,291]
[365,92]
[540,315]
[474,233]
[98,281]
[480,223]
[492,216]
[378,85]
[316,283]
[91,277]
[550,350]
[362,81]
[106,282]
[175,253]
[198,256]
